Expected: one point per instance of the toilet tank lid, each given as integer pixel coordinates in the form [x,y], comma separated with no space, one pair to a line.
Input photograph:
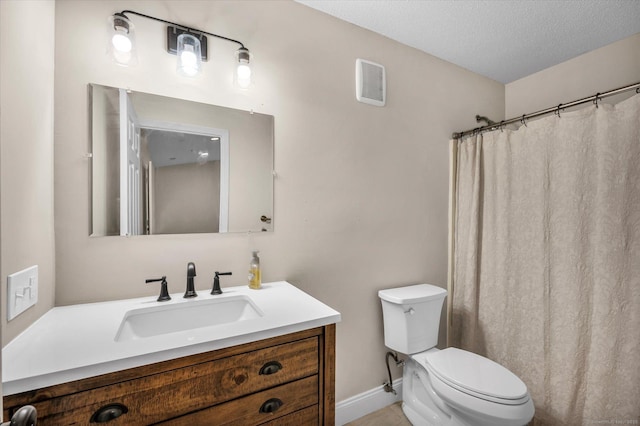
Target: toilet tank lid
[412,294]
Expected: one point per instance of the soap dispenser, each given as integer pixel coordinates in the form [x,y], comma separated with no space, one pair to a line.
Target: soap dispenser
[254,272]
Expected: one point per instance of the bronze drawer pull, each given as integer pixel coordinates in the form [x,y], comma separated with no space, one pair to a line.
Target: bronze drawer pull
[108,412]
[271,405]
[24,416]
[270,367]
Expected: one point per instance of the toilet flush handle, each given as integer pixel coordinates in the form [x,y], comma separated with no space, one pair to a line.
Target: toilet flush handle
[410,311]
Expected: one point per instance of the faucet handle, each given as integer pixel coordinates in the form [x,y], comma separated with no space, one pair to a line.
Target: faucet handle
[216,282]
[164,290]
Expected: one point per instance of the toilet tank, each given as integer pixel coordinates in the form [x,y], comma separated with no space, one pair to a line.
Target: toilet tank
[411,317]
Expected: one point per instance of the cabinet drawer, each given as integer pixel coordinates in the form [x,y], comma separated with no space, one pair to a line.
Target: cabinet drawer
[173,393]
[306,416]
[267,406]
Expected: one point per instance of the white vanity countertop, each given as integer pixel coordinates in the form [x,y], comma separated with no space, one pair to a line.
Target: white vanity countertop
[75,342]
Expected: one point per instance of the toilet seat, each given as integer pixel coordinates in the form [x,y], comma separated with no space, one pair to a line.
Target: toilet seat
[474,375]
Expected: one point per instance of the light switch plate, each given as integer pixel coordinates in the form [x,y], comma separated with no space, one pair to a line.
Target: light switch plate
[22,291]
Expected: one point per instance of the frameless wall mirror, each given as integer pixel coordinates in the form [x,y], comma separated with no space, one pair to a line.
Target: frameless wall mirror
[162,165]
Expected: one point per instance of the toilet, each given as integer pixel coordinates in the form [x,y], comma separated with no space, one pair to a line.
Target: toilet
[449,386]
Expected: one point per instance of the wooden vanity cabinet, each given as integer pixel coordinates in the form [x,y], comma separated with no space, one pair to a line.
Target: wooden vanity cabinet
[286,380]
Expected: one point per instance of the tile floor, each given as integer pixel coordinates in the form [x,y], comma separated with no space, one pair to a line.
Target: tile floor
[388,416]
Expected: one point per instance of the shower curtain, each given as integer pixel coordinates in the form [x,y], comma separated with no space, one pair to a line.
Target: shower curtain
[545,259]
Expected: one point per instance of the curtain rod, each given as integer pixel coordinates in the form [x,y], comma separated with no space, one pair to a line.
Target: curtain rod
[595,98]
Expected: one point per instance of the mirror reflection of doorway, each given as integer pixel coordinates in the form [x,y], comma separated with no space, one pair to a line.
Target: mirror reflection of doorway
[185,173]
[168,169]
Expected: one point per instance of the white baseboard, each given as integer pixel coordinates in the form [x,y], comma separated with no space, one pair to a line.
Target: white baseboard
[367,402]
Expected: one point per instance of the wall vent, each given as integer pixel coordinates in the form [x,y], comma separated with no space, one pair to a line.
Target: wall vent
[371,85]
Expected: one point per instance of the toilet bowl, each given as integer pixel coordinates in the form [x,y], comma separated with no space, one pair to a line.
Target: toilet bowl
[449,386]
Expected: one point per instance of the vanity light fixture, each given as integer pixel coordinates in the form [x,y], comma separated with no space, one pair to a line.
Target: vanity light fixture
[189,44]
[121,43]
[243,70]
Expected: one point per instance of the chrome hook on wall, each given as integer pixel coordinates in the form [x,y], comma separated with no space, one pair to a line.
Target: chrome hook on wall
[480,118]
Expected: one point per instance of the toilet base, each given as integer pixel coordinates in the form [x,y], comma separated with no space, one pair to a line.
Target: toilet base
[420,403]
[424,407]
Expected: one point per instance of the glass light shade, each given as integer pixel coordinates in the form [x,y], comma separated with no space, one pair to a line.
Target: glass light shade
[243,70]
[121,43]
[189,55]
[121,40]
[243,75]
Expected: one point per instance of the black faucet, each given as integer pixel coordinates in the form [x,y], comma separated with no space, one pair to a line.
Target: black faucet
[191,272]
[216,282]
[164,291]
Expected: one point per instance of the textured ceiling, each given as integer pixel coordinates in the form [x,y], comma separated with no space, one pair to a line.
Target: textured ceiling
[503,40]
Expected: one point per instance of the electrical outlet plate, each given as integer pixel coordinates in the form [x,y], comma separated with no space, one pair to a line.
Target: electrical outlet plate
[22,291]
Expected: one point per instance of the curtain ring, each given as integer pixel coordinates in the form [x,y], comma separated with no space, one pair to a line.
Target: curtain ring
[638,90]
[501,126]
[523,120]
[595,101]
[558,110]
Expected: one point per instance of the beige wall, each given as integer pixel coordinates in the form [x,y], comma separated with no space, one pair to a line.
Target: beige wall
[26,155]
[192,188]
[607,68]
[360,194]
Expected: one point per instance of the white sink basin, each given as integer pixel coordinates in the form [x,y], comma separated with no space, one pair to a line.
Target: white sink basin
[184,316]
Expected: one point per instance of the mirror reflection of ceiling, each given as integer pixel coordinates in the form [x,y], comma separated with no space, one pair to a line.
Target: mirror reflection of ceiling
[175,148]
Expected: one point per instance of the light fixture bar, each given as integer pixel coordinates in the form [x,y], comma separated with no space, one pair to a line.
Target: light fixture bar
[182,41]
[184,27]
